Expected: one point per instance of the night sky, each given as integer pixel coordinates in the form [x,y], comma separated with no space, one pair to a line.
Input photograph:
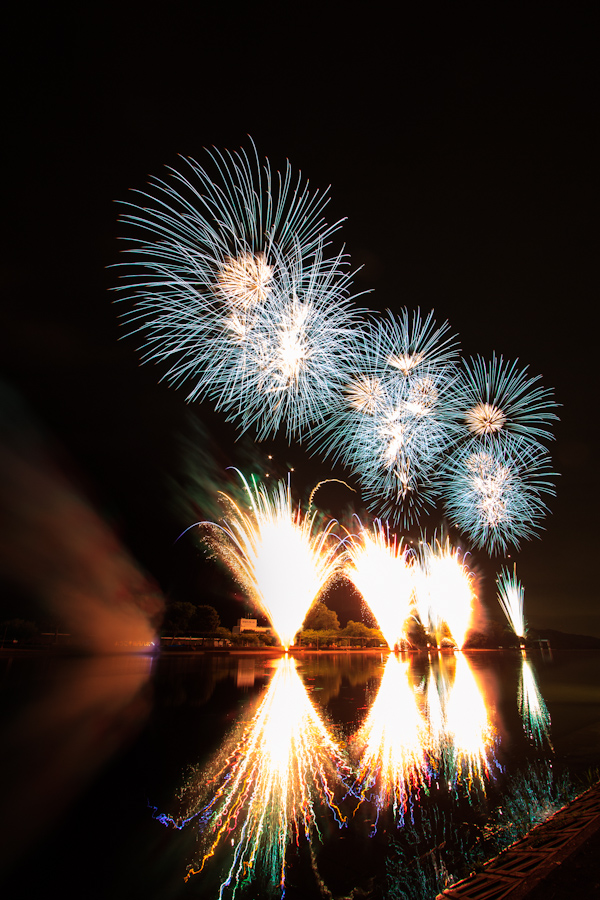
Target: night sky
[463,150]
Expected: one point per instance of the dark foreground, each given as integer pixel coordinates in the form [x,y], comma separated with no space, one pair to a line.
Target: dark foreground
[557,859]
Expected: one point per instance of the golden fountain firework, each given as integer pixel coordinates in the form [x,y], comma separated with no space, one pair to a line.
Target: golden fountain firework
[380,568]
[280,555]
[444,590]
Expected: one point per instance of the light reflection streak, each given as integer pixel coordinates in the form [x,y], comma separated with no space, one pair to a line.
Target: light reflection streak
[532,708]
[468,723]
[284,770]
[414,735]
[391,744]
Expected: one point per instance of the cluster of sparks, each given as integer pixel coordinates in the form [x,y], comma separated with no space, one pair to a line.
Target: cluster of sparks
[285,559]
[231,285]
[434,587]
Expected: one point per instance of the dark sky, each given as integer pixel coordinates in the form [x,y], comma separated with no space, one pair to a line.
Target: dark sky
[462,147]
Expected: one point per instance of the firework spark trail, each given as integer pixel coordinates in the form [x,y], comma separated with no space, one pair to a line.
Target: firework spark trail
[444,590]
[380,568]
[280,556]
[532,708]
[493,490]
[391,744]
[285,765]
[510,597]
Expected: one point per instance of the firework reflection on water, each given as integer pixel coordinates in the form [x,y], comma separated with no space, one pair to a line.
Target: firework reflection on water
[278,783]
[532,708]
[417,734]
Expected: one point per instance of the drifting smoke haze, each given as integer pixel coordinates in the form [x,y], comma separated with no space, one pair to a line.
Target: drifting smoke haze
[56,548]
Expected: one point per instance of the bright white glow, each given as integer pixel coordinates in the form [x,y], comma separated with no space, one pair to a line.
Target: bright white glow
[380,568]
[365,394]
[244,280]
[444,589]
[485,419]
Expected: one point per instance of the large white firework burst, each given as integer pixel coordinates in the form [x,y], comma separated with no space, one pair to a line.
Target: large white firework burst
[497,398]
[207,249]
[394,419]
[285,361]
[493,490]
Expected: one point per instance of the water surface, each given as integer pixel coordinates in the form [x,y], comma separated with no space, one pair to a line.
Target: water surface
[335,775]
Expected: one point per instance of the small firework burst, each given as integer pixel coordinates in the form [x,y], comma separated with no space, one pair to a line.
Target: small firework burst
[409,344]
[498,398]
[245,280]
[365,393]
[493,490]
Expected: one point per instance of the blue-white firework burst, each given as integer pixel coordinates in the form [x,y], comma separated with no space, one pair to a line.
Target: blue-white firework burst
[493,490]
[497,398]
[209,248]
[284,362]
[394,421]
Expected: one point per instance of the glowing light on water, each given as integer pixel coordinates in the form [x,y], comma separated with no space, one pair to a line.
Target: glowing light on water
[468,726]
[532,708]
[510,597]
[279,554]
[284,769]
[391,743]
[380,568]
[444,590]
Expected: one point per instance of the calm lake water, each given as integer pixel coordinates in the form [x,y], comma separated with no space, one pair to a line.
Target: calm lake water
[325,775]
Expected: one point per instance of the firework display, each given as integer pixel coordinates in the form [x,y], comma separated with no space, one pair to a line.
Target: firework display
[233,290]
[510,597]
[395,418]
[380,567]
[444,592]
[494,490]
[278,554]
